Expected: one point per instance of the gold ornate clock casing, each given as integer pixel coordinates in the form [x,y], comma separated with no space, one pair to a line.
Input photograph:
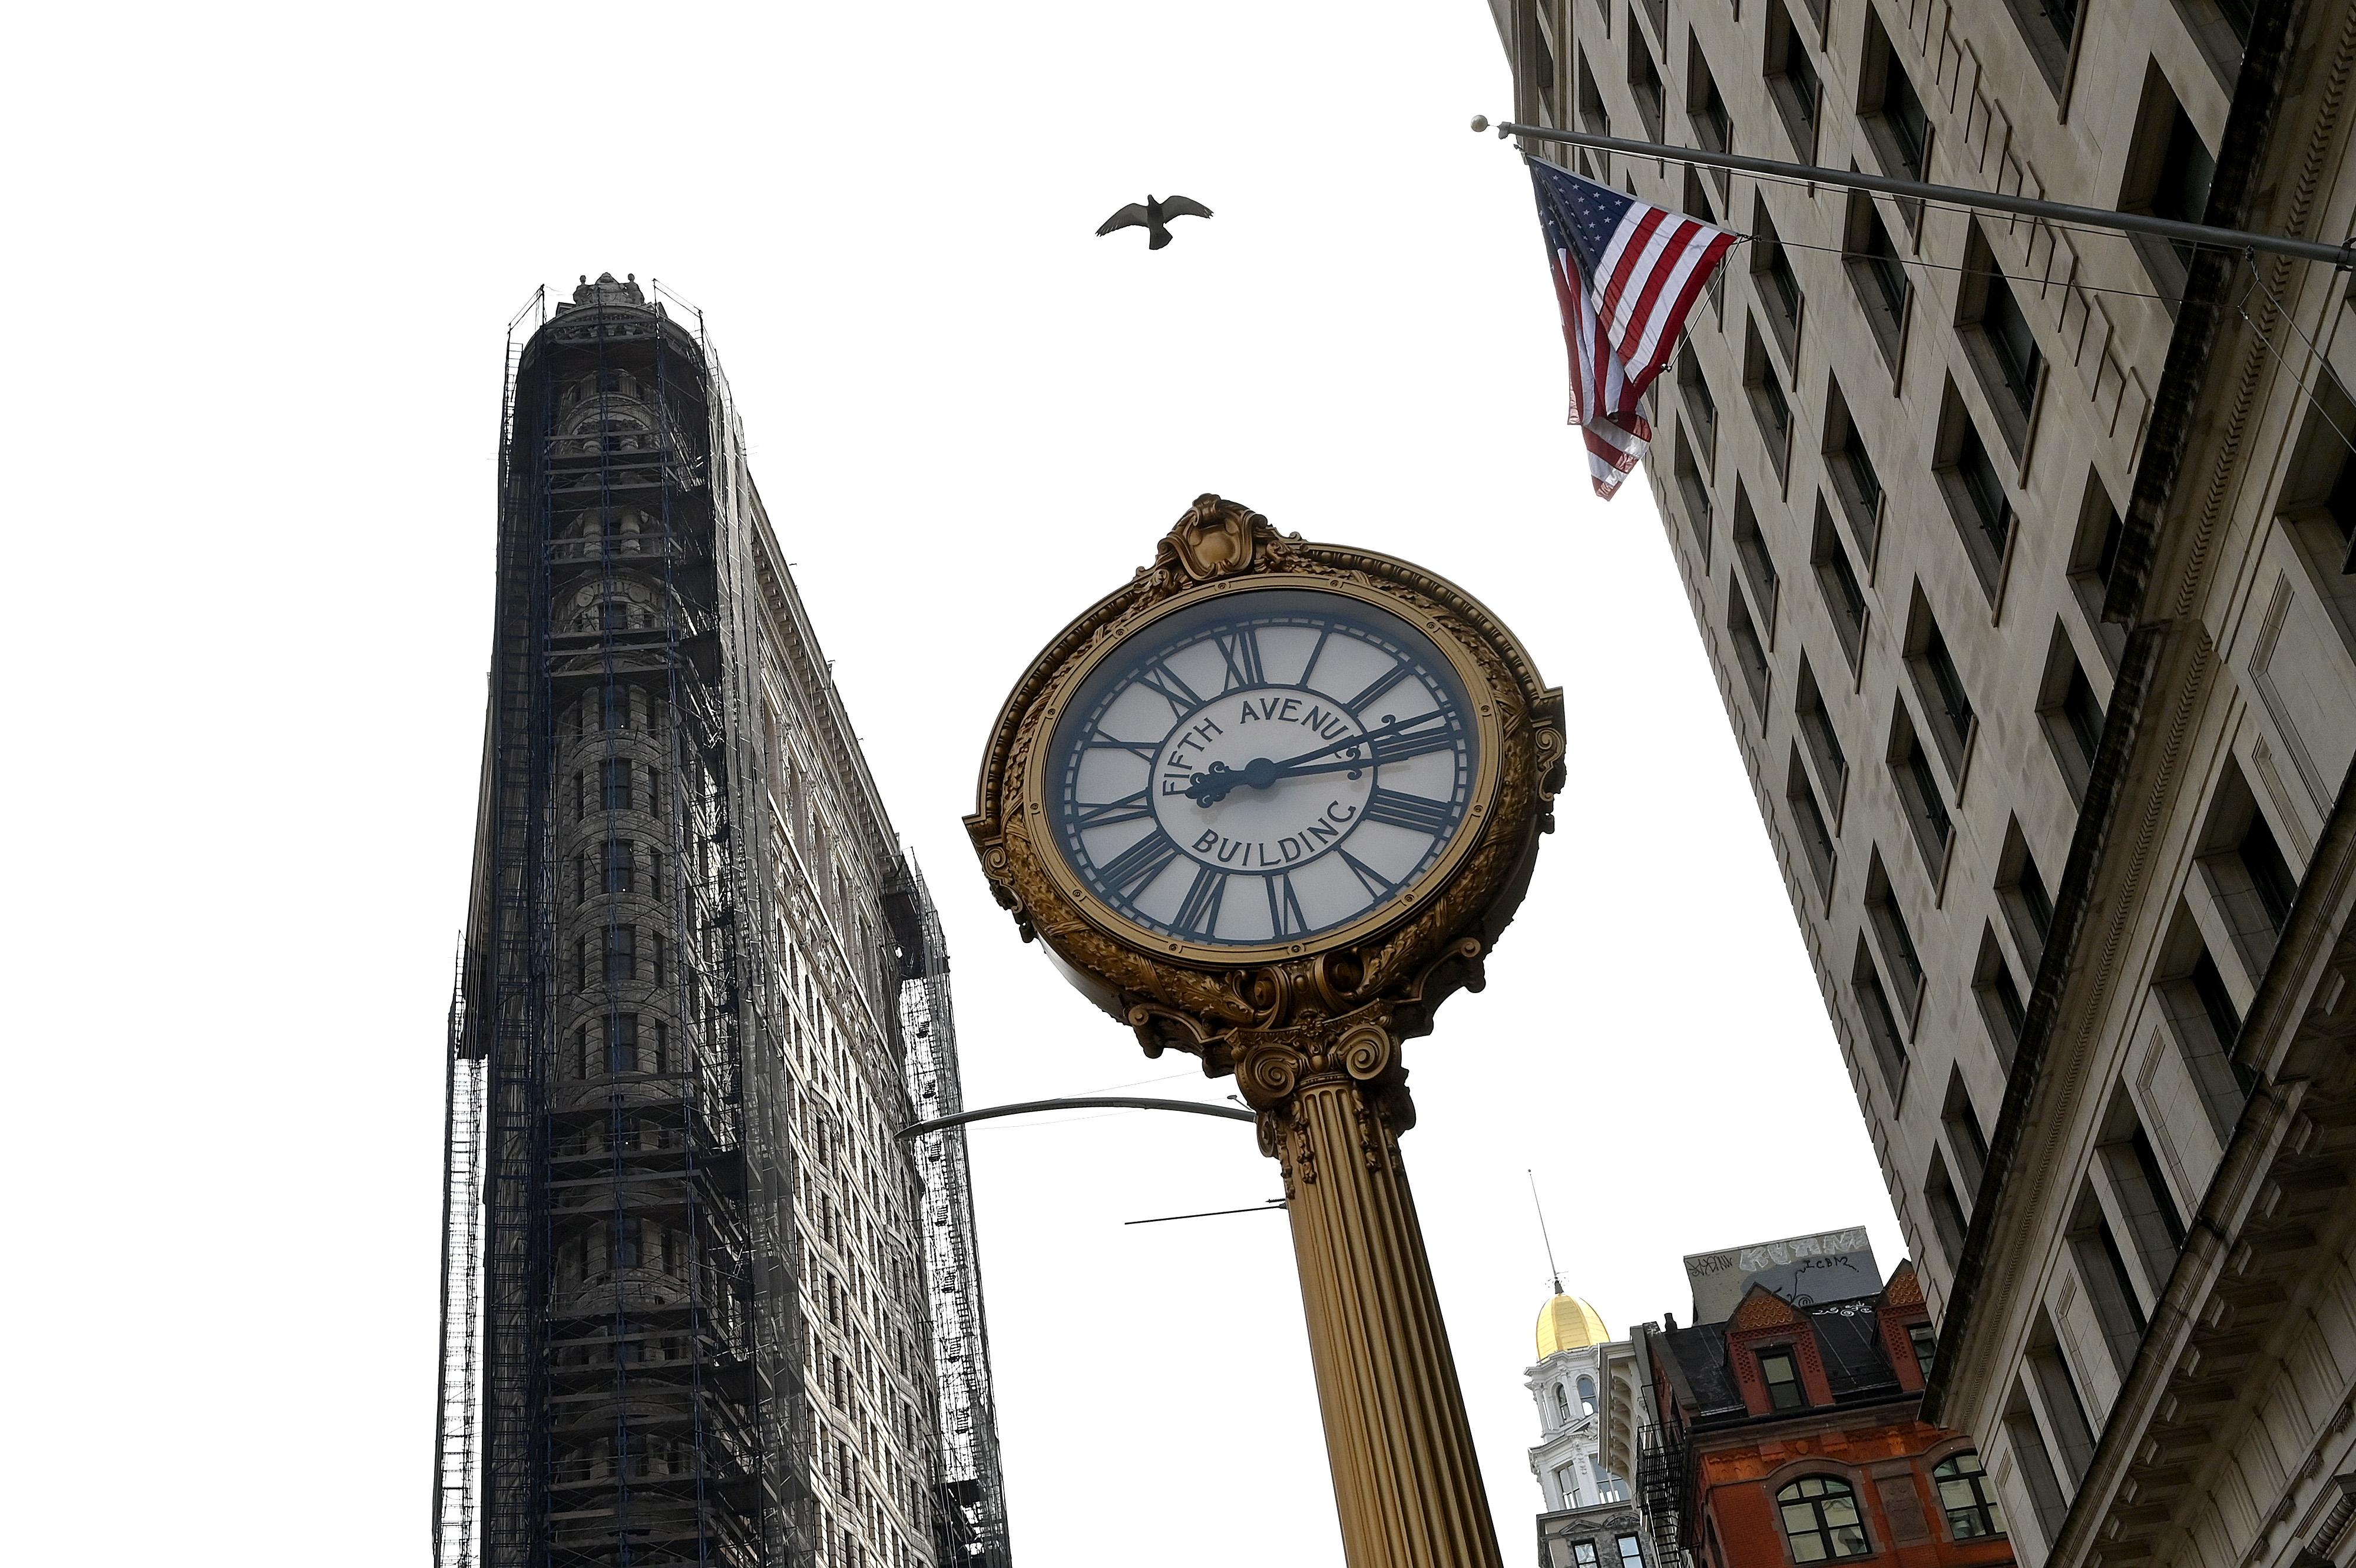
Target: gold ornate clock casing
[1399,960]
[1312,1022]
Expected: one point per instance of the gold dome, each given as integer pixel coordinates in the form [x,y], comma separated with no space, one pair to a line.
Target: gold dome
[1566,1323]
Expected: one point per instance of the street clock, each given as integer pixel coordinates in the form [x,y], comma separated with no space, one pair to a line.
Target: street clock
[1269,775]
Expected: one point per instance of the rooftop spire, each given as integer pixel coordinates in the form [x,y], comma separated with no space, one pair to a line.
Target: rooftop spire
[1553,1273]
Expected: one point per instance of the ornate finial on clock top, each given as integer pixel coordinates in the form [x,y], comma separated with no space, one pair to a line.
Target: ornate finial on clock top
[1215,538]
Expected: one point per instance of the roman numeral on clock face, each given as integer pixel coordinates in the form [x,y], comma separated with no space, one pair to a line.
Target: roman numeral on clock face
[1241,651]
[1413,812]
[1436,734]
[1373,881]
[1131,870]
[1199,910]
[1128,809]
[1148,749]
[1382,683]
[1284,916]
[1164,682]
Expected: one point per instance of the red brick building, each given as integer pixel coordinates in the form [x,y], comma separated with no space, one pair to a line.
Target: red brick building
[1789,1434]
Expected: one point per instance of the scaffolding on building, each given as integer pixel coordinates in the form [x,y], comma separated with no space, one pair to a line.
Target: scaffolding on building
[621,1376]
[621,1357]
[969,1513]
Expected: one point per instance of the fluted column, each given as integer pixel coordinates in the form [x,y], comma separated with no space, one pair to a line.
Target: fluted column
[1332,1103]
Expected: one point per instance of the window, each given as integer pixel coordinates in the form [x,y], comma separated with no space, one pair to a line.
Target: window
[1562,1406]
[1999,996]
[1823,740]
[1695,491]
[1920,791]
[1592,115]
[1750,653]
[1782,1376]
[2094,560]
[1997,339]
[1632,1554]
[621,954]
[2028,1443]
[613,777]
[1713,126]
[613,704]
[1582,1552]
[1644,83]
[1975,491]
[1924,1342]
[2065,1407]
[2272,881]
[1939,683]
[1895,121]
[1792,81]
[1971,1507]
[2071,715]
[1844,596]
[1587,1396]
[1948,1214]
[1767,400]
[1960,1120]
[1820,1520]
[621,1042]
[2021,889]
[1816,839]
[616,862]
[1878,274]
[1751,552]
[2110,1288]
[2049,27]
[1899,957]
[1701,409]
[1856,480]
[1880,1023]
[1777,285]
[2169,171]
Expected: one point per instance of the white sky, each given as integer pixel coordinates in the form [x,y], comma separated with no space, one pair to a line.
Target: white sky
[261,260]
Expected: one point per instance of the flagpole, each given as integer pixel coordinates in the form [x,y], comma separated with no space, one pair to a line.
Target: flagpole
[2341,256]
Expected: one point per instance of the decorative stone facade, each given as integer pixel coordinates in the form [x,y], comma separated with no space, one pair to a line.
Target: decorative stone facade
[2020,555]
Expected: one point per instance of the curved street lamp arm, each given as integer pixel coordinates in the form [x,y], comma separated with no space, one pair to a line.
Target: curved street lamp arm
[1075,1102]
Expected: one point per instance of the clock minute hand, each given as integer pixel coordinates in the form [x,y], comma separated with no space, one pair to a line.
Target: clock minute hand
[1210,788]
[1392,728]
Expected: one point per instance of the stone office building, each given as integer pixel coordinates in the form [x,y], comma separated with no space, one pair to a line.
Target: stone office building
[701,1304]
[2021,552]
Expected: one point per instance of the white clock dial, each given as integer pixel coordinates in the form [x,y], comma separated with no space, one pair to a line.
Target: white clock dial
[1263,768]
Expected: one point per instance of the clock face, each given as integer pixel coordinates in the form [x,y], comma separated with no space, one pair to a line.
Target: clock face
[1262,768]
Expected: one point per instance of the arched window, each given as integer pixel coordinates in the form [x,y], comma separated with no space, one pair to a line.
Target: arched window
[1587,1396]
[1820,1518]
[1972,1511]
[1562,1406]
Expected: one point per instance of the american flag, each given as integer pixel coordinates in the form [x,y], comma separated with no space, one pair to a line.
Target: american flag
[1626,274]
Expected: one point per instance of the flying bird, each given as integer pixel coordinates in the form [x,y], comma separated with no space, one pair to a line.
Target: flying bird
[1153,217]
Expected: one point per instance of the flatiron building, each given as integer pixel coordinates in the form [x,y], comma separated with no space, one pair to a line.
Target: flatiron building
[701,1302]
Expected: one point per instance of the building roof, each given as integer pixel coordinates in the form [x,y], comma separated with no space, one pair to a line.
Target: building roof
[1566,1323]
[1848,1335]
